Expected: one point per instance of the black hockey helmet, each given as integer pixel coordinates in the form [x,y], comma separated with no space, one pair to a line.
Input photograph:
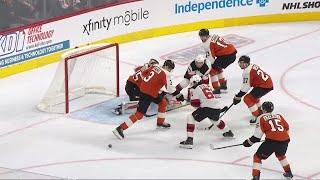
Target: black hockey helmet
[245,59]
[204,32]
[267,106]
[169,63]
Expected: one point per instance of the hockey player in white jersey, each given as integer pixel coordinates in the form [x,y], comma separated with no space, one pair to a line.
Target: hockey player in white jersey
[207,106]
[200,66]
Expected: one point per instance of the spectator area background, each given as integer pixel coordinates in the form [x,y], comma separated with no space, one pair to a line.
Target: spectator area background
[15,13]
[34,33]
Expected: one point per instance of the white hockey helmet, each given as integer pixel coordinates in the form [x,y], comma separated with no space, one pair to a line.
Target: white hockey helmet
[195,80]
[200,58]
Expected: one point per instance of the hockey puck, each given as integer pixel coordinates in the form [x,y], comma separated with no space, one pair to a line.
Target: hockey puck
[212,146]
[110,146]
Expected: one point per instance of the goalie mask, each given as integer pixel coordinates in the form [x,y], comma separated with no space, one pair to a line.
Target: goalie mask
[195,81]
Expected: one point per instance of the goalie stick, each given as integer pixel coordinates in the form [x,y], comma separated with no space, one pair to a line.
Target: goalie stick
[174,108]
[209,127]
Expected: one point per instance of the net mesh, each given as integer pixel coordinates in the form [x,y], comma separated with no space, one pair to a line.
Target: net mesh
[91,70]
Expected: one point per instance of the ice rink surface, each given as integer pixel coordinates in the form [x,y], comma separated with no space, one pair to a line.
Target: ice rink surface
[41,145]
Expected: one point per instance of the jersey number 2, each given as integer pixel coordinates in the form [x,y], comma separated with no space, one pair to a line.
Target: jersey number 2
[263,76]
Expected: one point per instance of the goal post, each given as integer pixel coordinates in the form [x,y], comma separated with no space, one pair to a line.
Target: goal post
[92,69]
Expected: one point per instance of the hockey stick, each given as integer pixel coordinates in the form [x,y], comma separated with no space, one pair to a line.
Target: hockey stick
[240,144]
[209,127]
[213,148]
[184,105]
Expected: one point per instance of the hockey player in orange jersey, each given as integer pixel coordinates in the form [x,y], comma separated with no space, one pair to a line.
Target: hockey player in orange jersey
[207,107]
[276,129]
[258,80]
[133,82]
[221,55]
[132,88]
[154,79]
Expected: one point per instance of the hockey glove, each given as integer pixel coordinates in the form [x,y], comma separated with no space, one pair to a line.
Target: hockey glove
[237,97]
[175,93]
[180,97]
[246,143]
[249,142]
[224,109]
[236,100]
[163,93]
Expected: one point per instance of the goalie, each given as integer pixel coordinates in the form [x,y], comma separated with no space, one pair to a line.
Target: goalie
[207,107]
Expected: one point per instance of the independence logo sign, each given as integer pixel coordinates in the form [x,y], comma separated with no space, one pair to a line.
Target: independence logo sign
[218,4]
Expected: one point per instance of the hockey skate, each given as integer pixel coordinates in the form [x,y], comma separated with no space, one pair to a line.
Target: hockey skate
[217,93]
[223,86]
[228,134]
[163,126]
[253,120]
[118,132]
[288,175]
[187,144]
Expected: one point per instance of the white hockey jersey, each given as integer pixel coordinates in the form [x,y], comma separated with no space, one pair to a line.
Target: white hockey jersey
[202,96]
[169,88]
[206,47]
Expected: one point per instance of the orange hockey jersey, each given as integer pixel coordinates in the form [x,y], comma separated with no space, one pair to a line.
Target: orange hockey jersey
[274,126]
[154,78]
[253,76]
[136,78]
[216,46]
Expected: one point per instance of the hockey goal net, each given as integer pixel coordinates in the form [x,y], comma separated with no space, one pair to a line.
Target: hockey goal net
[84,76]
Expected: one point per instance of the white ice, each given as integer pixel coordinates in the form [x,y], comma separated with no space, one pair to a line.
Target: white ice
[34,144]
